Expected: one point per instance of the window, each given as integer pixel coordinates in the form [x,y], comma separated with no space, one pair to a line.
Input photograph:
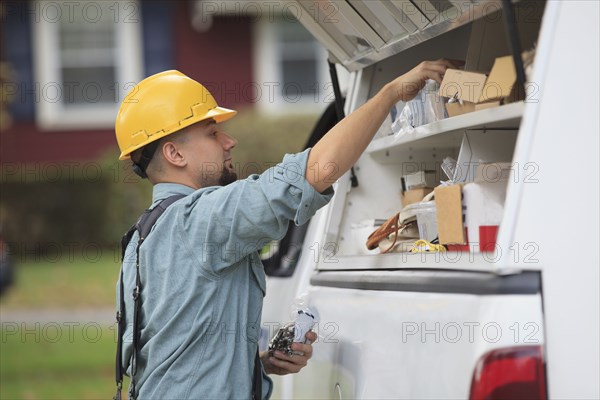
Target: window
[299,58]
[88,55]
[291,68]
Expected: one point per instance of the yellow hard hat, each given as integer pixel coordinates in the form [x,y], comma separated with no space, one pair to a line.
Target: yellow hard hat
[162,104]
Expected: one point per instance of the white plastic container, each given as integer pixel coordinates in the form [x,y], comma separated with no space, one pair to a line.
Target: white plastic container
[426,220]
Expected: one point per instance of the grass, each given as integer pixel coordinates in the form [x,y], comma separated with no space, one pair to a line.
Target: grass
[36,363]
[64,282]
[59,360]
[55,361]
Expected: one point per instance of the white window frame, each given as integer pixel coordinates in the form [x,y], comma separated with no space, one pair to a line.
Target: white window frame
[51,113]
[268,74]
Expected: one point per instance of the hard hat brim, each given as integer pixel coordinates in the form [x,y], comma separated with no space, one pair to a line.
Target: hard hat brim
[219,114]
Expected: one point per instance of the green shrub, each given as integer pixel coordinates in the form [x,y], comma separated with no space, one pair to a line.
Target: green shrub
[263,141]
[96,202]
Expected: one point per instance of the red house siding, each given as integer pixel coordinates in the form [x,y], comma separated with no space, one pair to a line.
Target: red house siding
[221,59]
[23,142]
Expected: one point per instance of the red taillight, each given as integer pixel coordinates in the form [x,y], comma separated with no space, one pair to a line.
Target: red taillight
[510,373]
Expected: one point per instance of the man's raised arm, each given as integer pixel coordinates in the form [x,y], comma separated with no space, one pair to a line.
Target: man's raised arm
[341,147]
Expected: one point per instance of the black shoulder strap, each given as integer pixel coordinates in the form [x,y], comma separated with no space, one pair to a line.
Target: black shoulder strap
[143,225]
[257,378]
[149,217]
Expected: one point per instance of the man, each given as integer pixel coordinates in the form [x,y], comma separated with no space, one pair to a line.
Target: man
[201,276]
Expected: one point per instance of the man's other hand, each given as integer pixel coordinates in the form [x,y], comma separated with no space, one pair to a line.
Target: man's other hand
[282,364]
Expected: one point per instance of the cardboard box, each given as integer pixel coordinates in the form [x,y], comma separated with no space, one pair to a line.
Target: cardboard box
[414,195]
[448,202]
[479,91]
[501,84]
[463,85]
[490,104]
[482,206]
[457,108]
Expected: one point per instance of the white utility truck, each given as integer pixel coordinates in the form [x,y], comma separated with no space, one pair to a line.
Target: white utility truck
[521,321]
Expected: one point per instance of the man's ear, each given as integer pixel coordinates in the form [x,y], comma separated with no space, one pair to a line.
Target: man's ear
[172,154]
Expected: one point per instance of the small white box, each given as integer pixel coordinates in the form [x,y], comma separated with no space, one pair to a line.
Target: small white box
[420,179]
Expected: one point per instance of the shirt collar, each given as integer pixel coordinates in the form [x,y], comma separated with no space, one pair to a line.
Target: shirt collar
[162,191]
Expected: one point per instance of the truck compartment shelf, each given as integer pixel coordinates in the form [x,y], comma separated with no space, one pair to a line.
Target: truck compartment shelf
[448,132]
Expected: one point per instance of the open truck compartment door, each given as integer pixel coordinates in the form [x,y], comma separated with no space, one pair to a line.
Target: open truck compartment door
[430,325]
[365,37]
[359,33]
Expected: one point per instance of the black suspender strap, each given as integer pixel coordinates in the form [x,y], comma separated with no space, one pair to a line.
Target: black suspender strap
[257,382]
[143,225]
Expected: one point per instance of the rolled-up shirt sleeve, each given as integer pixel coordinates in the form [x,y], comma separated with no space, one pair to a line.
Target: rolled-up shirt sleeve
[289,176]
[240,218]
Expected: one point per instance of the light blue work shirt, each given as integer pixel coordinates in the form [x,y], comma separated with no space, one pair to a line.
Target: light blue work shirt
[203,282]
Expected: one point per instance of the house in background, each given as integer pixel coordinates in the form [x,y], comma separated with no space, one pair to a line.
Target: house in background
[72,62]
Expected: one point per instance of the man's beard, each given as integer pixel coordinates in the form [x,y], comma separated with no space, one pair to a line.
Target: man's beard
[223,178]
[227,177]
